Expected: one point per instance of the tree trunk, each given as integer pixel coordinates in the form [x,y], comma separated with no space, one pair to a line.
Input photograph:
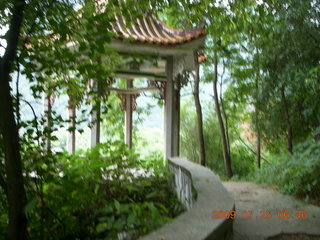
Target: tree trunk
[226,155]
[199,118]
[225,117]
[287,118]
[223,111]
[8,128]
[257,116]
[258,137]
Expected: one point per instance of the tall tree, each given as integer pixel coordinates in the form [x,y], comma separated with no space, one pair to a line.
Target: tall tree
[257,111]
[9,131]
[287,45]
[257,126]
[199,117]
[286,108]
[226,153]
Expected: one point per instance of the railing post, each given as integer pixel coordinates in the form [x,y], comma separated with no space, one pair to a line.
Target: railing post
[176,119]
[128,115]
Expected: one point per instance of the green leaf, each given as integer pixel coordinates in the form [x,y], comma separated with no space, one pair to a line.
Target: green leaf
[117,205]
[101,227]
[131,219]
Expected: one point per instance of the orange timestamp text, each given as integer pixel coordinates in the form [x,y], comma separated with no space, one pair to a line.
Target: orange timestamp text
[263,214]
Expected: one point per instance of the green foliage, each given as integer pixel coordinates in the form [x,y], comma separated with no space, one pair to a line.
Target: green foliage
[278,70]
[296,174]
[112,118]
[242,159]
[102,193]
[149,143]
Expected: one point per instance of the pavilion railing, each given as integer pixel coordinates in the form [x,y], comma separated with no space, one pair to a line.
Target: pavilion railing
[182,184]
[197,221]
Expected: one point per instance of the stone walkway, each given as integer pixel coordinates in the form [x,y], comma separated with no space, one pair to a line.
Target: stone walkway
[258,198]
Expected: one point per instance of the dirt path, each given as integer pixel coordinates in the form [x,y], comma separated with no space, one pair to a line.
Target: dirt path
[261,198]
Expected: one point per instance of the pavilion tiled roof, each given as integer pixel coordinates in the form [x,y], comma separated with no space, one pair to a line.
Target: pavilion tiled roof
[153,31]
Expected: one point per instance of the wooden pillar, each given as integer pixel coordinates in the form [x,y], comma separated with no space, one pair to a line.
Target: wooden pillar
[47,105]
[128,115]
[176,120]
[95,118]
[169,101]
[71,138]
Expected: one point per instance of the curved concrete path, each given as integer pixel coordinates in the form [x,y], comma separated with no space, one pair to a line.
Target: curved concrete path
[257,197]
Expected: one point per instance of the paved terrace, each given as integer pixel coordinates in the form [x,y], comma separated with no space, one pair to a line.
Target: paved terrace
[258,197]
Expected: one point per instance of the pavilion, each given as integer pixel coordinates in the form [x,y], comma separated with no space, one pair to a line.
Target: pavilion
[175,52]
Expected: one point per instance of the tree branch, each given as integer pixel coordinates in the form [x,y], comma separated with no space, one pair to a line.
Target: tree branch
[35,119]
[13,37]
[251,150]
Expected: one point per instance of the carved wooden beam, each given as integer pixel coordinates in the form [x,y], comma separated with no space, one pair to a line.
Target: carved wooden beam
[132,90]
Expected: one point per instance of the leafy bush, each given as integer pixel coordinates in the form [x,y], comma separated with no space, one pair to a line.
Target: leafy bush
[104,193]
[243,161]
[296,174]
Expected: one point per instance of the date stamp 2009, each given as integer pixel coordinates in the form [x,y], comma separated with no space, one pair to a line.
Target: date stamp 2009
[263,214]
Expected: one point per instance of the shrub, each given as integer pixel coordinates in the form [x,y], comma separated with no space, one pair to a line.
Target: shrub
[243,161]
[296,174]
[104,193]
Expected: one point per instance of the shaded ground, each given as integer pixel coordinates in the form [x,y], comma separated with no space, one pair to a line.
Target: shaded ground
[295,237]
[261,198]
